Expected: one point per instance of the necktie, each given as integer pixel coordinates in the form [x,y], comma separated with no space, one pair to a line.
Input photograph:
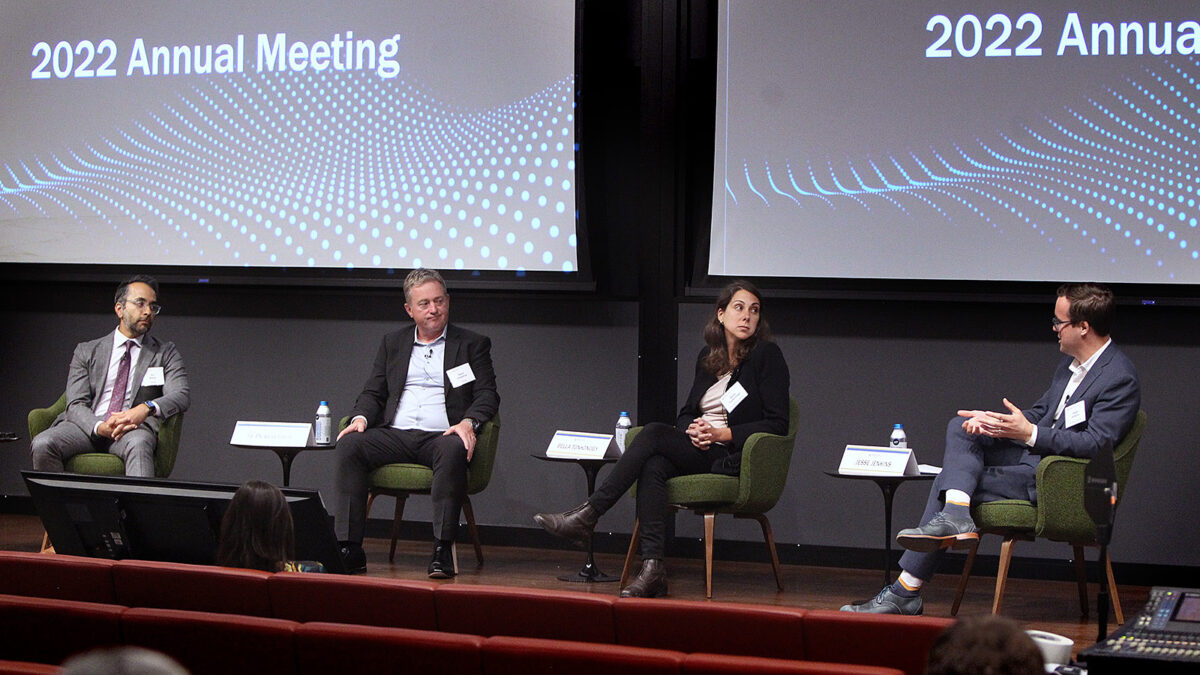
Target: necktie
[117,403]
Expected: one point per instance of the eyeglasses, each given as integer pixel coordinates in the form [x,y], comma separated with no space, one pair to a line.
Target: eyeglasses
[142,303]
[1057,324]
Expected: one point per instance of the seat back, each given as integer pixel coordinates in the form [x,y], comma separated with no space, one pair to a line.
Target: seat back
[62,577]
[525,612]
[687,626]
[207,642]
[323,648]
[395,603]
[205,588]
[102,463]
[504,655]
[45,630]
[885,640]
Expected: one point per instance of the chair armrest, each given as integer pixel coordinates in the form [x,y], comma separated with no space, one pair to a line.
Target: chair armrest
[40,419]
[1061,514]
[169,433]
[487,442]
[765,462]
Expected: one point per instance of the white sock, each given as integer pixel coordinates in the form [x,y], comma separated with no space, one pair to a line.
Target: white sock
[958,497]
[909,582]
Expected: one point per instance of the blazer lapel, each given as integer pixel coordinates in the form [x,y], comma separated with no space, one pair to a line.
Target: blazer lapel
[450,359]
[99,374]
[150,348]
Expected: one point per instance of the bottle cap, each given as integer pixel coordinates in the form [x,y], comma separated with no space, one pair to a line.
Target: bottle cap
[898,426]
[623,413]
[327,403]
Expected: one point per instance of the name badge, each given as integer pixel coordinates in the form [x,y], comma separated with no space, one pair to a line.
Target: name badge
[1074,414]
[154,377]
[733,396]
[460,375]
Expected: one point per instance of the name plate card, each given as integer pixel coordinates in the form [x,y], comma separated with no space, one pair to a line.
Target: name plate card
[874,460]
[578,445]
[272,434]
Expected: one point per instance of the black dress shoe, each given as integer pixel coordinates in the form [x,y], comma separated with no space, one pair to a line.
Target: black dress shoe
[442,564]
[651,581]
[575,525]
[353,557]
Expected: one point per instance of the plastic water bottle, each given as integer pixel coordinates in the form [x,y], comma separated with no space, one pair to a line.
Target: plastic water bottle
[899,438]
[323,427]
[624,424]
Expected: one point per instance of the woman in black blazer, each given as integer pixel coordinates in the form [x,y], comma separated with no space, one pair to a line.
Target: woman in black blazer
[741,387]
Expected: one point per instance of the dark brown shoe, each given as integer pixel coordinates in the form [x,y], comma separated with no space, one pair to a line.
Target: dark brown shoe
[651,581]
[575,525]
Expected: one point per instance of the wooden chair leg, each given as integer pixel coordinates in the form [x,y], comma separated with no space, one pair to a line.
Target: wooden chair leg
[769,536]
[710,520]
[370,500]
[1112,591]
[396,518]
[470,514]
[1006,551]
[633,543]
[1081,577]
[972,549]
[46,547]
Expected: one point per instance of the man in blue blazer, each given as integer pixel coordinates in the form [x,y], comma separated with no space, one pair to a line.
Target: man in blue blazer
[432,386]
[1090,405]
[120,388]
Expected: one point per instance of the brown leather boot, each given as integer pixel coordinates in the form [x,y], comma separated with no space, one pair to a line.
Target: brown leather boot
[575,525]
[651,581]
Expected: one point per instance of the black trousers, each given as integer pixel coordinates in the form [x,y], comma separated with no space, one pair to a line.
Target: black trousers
[358,454]
[660,452]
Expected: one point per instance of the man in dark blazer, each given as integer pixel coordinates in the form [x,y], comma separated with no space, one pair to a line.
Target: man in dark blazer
[152,383]
[1091,404]
[432,386]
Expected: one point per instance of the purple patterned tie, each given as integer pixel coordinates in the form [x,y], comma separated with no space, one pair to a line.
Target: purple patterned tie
[117,403]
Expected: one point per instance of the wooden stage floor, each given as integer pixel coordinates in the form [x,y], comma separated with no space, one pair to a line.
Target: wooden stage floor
[1044,605]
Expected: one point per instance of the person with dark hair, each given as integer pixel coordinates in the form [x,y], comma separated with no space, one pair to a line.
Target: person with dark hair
[257,532]
[120,389]
[432,387]
[741,387]
[985,645]
[1091,404]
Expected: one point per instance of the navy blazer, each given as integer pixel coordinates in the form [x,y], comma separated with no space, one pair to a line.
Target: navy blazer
[478,400]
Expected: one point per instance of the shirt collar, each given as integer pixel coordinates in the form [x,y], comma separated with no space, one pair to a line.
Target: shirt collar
[119,339]
[440,338]
[1076,367]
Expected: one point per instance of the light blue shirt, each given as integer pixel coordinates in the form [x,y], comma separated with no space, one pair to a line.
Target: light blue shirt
[423,402]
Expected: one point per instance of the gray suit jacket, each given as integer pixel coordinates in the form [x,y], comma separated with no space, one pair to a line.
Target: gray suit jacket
[89,368]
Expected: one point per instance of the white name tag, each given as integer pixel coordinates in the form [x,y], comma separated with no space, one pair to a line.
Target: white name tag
[460,375]
[272,434]
[1074,414]
[154,377]
[578,445]
[733,396]
[873,460]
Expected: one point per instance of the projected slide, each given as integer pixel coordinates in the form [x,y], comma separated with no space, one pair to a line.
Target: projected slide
[374,134]
[958,140]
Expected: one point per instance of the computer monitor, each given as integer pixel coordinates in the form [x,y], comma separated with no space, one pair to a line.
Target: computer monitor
[154,519]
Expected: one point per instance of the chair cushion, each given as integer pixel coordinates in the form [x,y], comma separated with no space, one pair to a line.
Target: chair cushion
[1014,514]
[702,488]
[96,464]
[411,477]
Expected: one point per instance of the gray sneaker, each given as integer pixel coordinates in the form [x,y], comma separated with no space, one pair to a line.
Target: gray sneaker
[887,602]
[942,531]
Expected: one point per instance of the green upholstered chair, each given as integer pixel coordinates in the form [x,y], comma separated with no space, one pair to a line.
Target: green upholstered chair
[1059,515]
[103,463]
[765,462]
[402,480]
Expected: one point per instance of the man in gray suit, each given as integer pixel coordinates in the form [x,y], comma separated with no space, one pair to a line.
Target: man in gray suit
[120,388]
[1091,404]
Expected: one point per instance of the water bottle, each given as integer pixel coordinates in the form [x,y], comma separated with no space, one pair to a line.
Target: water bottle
[624,424]
[899,438]
[323,427]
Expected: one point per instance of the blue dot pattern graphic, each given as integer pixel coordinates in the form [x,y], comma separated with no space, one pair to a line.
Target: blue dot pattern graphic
[327,169]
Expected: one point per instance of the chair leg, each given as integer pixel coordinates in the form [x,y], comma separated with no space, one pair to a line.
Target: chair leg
[370,500]
[769,536]
[633,543]
[396,518]
[1112,590]
[973,548]
[470,514]
[1006,552]
[710,521]
[1081,578]
[46,547]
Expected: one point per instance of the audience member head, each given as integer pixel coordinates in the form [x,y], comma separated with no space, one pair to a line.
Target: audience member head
[1092,303]
[985,645]
[256,531]
[122,661]
[719,360]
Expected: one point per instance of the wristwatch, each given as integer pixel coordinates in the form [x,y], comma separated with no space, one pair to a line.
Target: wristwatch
[153,407]
[474,424]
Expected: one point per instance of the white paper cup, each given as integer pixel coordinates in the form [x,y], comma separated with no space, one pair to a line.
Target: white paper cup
[1055,648]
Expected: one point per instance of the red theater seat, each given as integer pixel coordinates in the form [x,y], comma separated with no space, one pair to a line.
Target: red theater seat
[212,643]
[47,630]
[498,610]
[330,597]
[720,664]
[323,648]
[26,668]
[722,628]
[66,577]
[871,639]
[201,588]
[504,655]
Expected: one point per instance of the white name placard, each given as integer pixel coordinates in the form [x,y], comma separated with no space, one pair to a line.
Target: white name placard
[578,445]
[272,434]
[875,460]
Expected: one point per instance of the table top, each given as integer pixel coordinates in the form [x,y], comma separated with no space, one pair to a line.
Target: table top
[879,478]
[598,460]
[286,448]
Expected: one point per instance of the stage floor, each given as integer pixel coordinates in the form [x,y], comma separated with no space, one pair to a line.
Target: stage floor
[1043,605]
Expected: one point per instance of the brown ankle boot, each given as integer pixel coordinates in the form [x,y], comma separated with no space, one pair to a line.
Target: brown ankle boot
[575,525]
[651,581]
